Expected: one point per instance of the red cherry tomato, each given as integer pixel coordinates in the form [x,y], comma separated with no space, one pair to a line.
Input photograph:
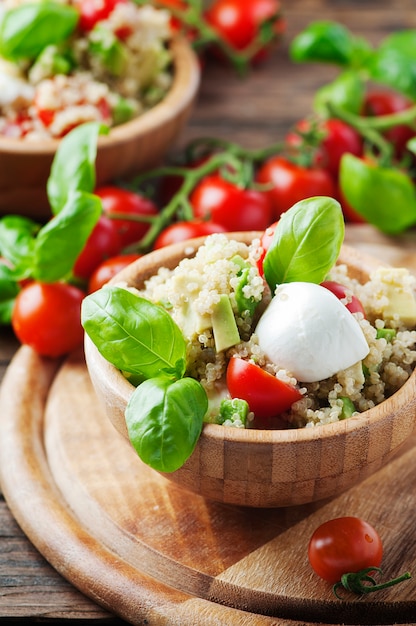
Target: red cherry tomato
[266,395]
[344,545]
[181,231]
[289,183]
[103,243]
[384,102]
[235,208]
[265,241]
[353,304]
[93,11]
[122,201]
[47,317]
[109,268]
[239,23]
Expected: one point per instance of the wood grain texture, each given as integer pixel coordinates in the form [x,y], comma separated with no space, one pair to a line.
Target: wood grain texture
[152,553]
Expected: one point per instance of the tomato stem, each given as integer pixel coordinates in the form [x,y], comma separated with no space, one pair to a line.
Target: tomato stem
[357,582]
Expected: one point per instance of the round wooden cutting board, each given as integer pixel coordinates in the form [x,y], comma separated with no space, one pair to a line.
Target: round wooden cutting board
[155,554]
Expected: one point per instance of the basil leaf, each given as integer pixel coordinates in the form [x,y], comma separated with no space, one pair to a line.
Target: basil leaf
[306,243]
[395,68]
[324,41]
[346,92]
[62,239]
[164,421]
[27,29]
[73,168]
[134,334]
[385,197]
[8,292]
[17,239]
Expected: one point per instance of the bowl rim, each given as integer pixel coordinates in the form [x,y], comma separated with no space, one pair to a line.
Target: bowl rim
[185,83]
[119,385]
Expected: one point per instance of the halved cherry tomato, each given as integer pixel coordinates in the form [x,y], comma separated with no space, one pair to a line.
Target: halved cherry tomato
[352,303]
[266,395]
[344,545]
[109,268]
[103,243]
[235,208]
[181,231]
[117,201]
[47,317]
[265,241]
[93,11]
[289,183]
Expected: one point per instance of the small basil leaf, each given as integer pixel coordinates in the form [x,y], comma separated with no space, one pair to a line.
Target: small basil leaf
[61,240]
[324,41]
[8,292]
[73,168]
[164,421]
[134,334]
[385,197]
[27,29]
[17,239]
[306,243]
[346,92]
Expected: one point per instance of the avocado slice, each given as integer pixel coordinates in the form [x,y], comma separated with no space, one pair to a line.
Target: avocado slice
[224,326]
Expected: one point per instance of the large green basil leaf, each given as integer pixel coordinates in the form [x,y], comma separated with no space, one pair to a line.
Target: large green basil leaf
[62,239]
[134,334]
[164,421]
[73,168]
[17,240]
[8,292]
[306,243]
[27,29]
[396,66]
[385,197]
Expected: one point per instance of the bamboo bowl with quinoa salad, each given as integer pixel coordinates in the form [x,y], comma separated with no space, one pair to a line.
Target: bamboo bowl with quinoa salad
[250,398]
[59,69]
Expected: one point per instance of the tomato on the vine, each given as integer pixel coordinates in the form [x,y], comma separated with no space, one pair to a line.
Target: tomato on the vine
[109,268]
[47,317]
[289,183]
[118,201]
[103,243]
[344,545]
[384,102]
[233,207]
[181,231]
[240,23]
[266,395]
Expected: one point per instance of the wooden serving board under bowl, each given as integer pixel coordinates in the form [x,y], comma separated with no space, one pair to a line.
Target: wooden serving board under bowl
[155,554]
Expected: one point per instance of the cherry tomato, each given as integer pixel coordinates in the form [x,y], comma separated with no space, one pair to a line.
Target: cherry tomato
[47,317]
[344,545]
[239,23]
[291,183]
[103,243]
[265,241]
[93,11]
[341,292]
[266,395]
[181,231]
[116,201]
[109,268]
[235,208]
[383,102]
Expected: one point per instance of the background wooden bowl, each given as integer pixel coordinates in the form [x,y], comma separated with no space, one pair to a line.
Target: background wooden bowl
[269,468]
[129,148]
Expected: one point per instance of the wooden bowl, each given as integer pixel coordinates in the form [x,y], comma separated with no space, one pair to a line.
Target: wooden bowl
[128,149]
[269,468]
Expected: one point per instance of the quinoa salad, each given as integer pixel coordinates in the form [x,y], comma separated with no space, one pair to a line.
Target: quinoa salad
[213,271]
[54,79]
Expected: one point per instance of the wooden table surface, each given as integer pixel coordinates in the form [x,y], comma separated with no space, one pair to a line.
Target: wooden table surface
[254,112]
